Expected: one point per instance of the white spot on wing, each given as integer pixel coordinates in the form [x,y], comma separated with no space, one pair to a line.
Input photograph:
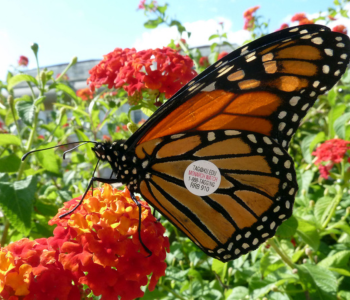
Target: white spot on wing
[294,100]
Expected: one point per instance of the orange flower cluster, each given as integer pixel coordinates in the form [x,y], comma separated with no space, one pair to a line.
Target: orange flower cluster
[163,70]
[85,94]
[340,29]
[249,18]
[331,152]
[97,246]
[302,19]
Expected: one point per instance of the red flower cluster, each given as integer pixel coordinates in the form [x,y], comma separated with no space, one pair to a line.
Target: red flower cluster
[23,61]
[97,246]
[283,26]
[164,70]
[330,152]
[222,54]
[340,29]
[302,19]
[249,18]
[204,62]
[85,94]
[106,137]
[120,128]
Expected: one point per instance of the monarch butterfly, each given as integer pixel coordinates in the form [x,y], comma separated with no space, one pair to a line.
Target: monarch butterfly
[213,159]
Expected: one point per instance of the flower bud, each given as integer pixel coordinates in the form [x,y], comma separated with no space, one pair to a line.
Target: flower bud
[308,251]
[311,203]
[274,288]
[348,210]
[35,48]
[74,61]
[294,271]
[132,127]
[43,76]
[304,261]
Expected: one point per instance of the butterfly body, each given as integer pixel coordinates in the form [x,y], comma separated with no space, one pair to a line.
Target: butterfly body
[238,116]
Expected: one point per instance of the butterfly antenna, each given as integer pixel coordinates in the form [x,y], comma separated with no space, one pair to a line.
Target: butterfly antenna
[65,152]
[30,152]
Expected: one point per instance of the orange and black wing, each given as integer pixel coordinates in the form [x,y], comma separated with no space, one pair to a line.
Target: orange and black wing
[267,89]
[256,191]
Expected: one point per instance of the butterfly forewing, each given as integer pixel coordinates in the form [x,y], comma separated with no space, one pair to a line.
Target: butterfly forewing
[267,90]
[255,195]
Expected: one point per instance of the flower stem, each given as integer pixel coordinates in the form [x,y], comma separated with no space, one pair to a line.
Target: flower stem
[284,257]
[29,145]
[177,296]
[5,232]
[336,202]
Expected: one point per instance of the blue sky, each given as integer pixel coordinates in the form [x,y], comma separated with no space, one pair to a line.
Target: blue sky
[89,29]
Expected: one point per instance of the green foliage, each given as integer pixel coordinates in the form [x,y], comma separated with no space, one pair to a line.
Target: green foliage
[308,259]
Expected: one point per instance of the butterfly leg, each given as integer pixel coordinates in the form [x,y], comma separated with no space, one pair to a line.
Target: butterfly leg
[103,180]
[139,228]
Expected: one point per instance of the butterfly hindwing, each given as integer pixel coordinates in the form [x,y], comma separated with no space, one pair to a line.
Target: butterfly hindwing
[255,195]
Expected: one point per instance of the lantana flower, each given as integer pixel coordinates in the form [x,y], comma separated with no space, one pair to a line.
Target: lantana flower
[97,245]
[329,153]
[283,26]
[340,29]
[249,18]
[204,62]
[85,94]
[163,70]
[302,19]
[23,61]
[222,54]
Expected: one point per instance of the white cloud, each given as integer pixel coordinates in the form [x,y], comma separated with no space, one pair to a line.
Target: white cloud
[200,32]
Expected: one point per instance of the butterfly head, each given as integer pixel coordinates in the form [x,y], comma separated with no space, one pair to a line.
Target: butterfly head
[111,152]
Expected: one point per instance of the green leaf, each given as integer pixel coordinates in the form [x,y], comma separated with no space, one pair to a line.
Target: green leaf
[10,163]
[213,36]
[66,89]
[218,266]
[320,137]
[48,159]
[288,228]
[337,260]
[333,115]
[270,262]
[26,111]
[340,125]
[20,78]
[305,147]
[322,208]
[309,234]
[331,97]
[213,46]
[46,209]
[39,100]
[147,111]
[340,271]
[238,292]
[320,283]
[74,109]
[162,9]
[151,24]
[9,139]
[83,137]
[16,200]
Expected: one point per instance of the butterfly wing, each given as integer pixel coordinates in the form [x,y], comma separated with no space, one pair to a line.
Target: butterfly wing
[267,90]
[256,191]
